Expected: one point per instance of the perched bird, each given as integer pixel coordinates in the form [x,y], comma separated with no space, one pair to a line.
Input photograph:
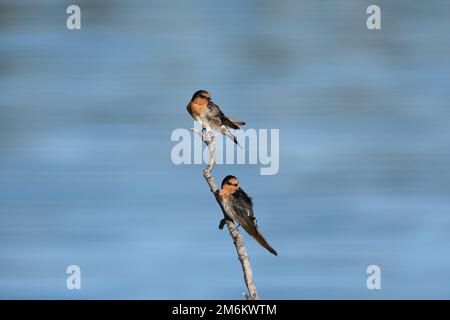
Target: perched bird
[209,115]
[239,207]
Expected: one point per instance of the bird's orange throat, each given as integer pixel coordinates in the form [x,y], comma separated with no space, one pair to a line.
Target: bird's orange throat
[226,192]
[197,109]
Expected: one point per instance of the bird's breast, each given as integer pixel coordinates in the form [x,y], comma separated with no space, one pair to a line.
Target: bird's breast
[197,110]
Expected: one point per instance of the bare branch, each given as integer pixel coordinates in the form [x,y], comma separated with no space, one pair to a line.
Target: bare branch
[238,240]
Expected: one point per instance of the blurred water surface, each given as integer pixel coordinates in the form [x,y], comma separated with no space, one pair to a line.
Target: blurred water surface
[86,176]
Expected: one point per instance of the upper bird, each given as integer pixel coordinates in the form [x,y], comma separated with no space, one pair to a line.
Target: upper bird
[209,115]
[239,207]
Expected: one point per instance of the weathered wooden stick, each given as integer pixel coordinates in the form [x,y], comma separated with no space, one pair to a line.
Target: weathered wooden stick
[238,240]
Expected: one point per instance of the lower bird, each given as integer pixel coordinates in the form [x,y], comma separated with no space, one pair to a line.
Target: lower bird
[238,206]
[209,115]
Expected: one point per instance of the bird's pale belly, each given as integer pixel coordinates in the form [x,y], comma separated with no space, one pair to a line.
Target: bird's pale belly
[227,207]
[203,122]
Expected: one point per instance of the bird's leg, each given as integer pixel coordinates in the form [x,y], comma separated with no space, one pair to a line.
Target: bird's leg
[208,133]
[204,135]
[222,223]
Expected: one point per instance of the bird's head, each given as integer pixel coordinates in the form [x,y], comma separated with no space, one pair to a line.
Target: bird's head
[201,97]
[230,184]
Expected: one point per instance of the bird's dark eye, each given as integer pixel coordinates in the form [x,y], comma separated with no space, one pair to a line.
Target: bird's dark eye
[204,97]
[232,184]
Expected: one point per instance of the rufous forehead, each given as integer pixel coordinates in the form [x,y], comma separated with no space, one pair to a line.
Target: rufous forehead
[233,181]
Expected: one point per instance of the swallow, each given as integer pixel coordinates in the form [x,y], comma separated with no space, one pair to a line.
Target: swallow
[238,206]
[209,115]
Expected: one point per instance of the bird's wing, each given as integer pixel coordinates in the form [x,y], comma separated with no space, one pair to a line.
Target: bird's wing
[188,107]
[236,122]
[243,202]
[242,207]
[214,111]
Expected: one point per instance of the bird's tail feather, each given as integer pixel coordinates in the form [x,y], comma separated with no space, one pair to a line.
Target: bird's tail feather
[262,241]
[231,136]
[237,122]
[232,123]
[258,237]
